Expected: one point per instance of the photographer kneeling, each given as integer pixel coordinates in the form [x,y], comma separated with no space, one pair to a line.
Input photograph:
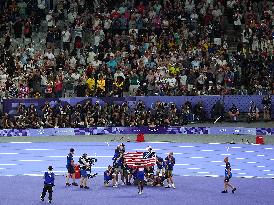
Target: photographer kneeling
[109,175]
[84,166]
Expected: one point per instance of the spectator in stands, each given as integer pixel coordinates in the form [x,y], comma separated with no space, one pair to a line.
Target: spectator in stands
[233,113]
[266,101]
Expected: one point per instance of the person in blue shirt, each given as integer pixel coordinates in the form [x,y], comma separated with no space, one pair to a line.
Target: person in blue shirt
[170,161]
[160,166]
[70,168]
[140,176]
[228,175]
[109,175]
[48,184]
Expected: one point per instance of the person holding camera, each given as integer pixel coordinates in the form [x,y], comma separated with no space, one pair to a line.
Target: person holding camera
[253,113]
[266,101]
[70,168]
[233,113]
[170,161]
[84,166]
[109,175]
[49,178]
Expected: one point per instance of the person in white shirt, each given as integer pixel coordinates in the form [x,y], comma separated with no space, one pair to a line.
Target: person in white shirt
[66,39]
[50,20]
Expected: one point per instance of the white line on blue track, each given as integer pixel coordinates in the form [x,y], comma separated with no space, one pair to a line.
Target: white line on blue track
[251,162]
[186,146]
[197,157]
[8,153]
[30,160]
[260,155]
[207,150]
[268,148]
[182,164]
[216,161]
[20,142]
[250,151]
[193,168]
[261,166]
[240,158]
[38,149]
[8,164]
[236,147]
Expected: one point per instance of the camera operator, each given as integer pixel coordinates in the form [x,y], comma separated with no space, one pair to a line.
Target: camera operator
[266,101]
[253,113]
[84,166]
[109,175]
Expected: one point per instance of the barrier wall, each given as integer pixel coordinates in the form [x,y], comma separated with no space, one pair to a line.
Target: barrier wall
[136,130]
[242,101]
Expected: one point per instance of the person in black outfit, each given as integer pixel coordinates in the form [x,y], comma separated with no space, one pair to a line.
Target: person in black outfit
[266,101]
[49,178]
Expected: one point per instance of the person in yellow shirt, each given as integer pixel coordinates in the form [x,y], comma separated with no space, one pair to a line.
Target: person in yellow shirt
[101,86]
[91,84]
[174,69]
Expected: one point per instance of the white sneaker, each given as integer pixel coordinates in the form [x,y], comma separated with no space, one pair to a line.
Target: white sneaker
[115,186]
[173,186]
[168,186]
[139,192]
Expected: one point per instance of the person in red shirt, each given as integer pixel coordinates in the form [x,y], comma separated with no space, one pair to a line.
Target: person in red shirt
[58,87]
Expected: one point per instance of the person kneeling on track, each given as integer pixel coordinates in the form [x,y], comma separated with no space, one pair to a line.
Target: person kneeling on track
[109,175]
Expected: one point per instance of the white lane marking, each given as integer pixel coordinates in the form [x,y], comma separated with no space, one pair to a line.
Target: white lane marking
[193,168]
[260,155]
[186,146]
[20,142]
[266,170]
[30,160]
[80,156]
[203,172]
[255,144]
[157,142]
[216,161]
[251,162]
[186,175]
[268,148]
[207,150]
[99,167]
[250,151]
[236,147]
[212,175]
[2,168]
[182,164]
[8,164]
[144,149]
[225,154]
[197,157]
[175,153]
[223,165]
[57,171]
[242,173]
[270,174]
[248,177]
[240,158]
[214,143]
[38,149]
[8,153]
[236,169]
[271,159]
[9,175]
[261,166]
[34,175]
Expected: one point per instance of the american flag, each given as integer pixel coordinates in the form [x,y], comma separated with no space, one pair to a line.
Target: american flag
[140,159]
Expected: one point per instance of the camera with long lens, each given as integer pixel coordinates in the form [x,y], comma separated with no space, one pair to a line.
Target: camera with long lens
[91,161]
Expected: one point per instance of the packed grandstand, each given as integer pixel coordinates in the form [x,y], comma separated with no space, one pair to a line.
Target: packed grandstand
[115,48]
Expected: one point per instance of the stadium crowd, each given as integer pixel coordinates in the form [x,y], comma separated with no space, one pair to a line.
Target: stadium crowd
[132,47]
